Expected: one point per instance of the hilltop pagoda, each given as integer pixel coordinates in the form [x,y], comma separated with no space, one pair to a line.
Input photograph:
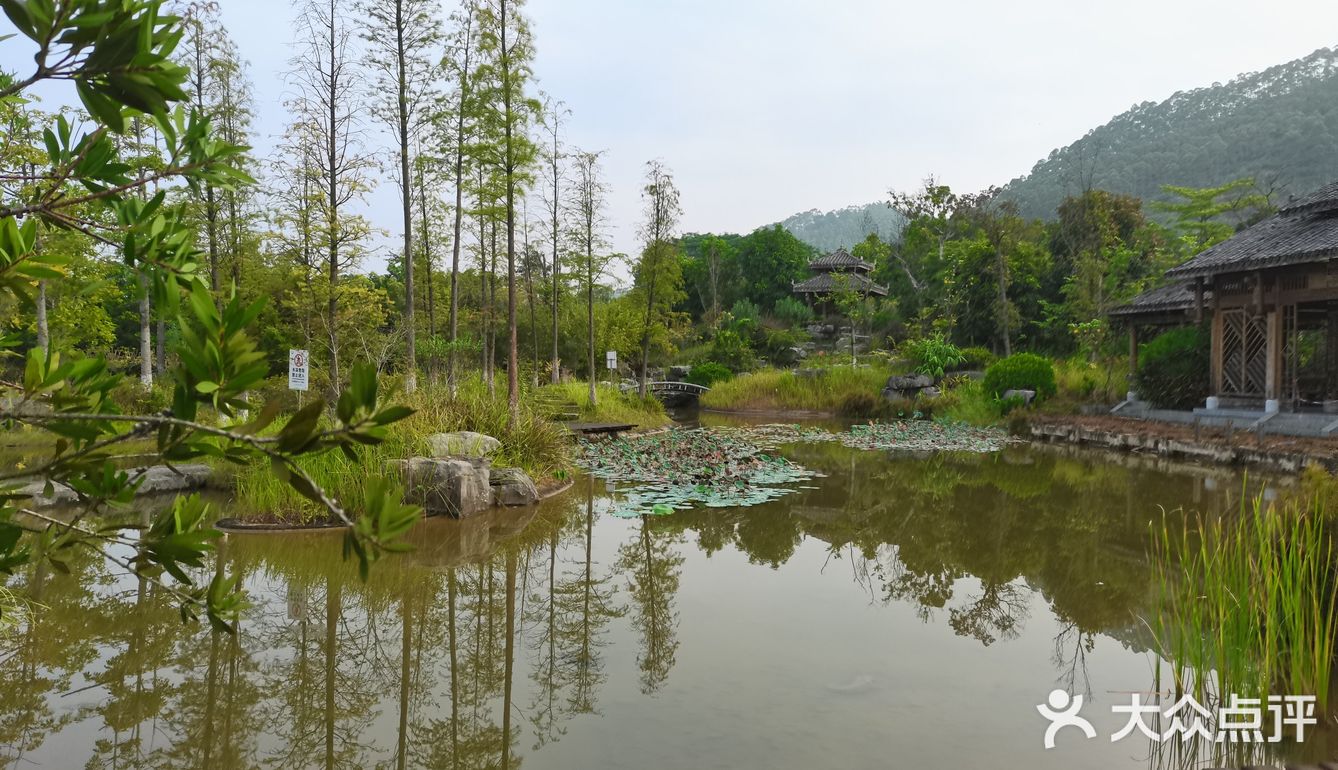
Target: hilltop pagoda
[838,271]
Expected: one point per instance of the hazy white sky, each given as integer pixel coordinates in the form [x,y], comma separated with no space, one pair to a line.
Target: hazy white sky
[764,108]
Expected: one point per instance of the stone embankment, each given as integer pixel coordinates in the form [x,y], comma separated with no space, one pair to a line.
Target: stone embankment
[1288,454]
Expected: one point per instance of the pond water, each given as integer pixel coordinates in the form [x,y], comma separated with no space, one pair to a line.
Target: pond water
[905,611]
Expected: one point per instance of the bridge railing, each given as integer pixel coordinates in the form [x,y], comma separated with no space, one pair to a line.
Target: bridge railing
[666,386]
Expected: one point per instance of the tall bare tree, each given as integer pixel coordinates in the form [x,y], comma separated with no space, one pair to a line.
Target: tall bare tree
[509,49]
[459,62]
[587,206]
[553,156]
[328,103]
[402,38]
[658,273]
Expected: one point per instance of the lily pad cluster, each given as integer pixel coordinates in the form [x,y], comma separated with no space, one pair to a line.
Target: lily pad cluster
[682,468]
[924,436]
[905,435]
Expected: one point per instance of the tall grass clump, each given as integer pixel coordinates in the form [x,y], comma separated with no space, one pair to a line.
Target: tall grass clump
[822,390]
[1247,601]
[534,443]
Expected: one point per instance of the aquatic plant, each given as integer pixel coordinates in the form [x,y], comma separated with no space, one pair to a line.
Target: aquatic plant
[682,468]
[1247,602]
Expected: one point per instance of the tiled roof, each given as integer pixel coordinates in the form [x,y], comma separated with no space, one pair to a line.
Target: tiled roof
[1323,199]
[825,283]
[1171,298]
[839,260]
[1283,239]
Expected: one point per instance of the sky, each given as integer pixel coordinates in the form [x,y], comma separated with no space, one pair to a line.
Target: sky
[765,108]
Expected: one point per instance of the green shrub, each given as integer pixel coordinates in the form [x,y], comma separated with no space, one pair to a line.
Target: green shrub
[746,312]
[778,345]
[733,351]
[1021,371]
[932,355]
[708,373]
[977,358]
[1173,369]
[792,312]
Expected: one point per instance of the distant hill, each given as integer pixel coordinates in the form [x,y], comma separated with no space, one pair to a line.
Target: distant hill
[1279,126]
[831,230]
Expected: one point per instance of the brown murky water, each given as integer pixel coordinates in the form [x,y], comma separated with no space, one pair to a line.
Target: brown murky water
[910,611]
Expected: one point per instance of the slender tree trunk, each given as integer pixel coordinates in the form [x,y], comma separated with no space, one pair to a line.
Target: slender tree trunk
[410,352]
[513,352]
[332,157]
[492,307]
[453,331]
[557,264]
[645,338]
[590,310]
[43,331]
[145,333]
[211,232]
[534,318]
[160,347]
[1003,301]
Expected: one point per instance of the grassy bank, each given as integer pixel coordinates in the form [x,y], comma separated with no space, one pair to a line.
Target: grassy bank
[614,406]
[833,390]
[535,444]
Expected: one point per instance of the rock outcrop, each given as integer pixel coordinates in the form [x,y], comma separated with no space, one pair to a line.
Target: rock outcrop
[451,486]
[462,443]
[153,480]
[512,486]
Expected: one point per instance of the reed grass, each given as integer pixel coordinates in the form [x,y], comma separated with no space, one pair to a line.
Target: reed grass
[1246,602]
[783,390]
[535,444]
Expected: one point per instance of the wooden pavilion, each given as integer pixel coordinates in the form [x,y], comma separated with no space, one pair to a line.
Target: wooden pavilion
[838,271]
[1270,297]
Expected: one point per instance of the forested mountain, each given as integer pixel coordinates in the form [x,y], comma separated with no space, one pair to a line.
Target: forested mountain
[828,231]
[1279,126]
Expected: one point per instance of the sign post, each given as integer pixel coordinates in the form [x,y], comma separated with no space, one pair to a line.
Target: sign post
[299,364]
[611,359]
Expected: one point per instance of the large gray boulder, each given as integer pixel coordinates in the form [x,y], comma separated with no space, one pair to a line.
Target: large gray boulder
[512,486]
[451,486]
[463,443]
[908,386]
[153,480]
[1025,396]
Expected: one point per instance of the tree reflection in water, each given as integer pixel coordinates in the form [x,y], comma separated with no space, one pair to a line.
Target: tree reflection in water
[489,641]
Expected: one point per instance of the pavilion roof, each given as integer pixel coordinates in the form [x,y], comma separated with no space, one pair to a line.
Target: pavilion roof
[1304,232]
[1176,297]
[826,283]
[840,260]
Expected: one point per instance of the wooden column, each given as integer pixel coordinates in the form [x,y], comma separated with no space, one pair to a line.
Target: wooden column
[1273,353]
[1198,300]
[1331,351]
[1133,353]
[1216,350]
